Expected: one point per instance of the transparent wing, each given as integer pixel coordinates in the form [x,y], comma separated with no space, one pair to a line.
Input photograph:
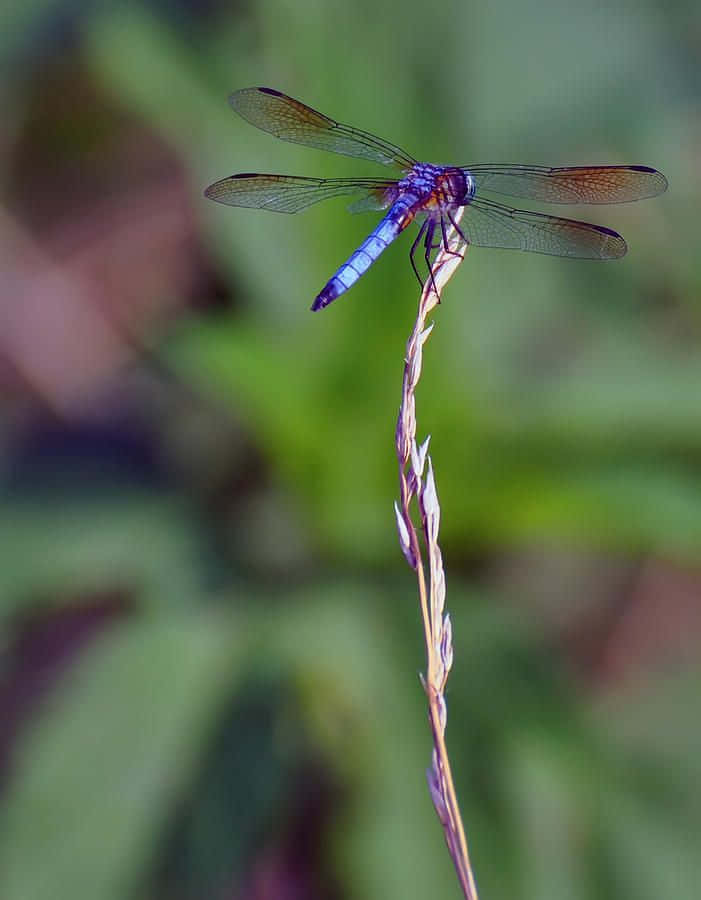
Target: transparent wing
[291,120]
[290,193]
[374,201]
[488,224]
[574,184]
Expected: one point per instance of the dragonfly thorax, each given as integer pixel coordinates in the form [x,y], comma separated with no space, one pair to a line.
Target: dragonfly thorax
[438,186]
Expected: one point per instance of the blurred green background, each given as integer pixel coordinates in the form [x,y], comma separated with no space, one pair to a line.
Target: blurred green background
[210,640]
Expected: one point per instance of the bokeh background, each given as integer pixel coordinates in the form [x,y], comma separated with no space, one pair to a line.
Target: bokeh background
[210,640]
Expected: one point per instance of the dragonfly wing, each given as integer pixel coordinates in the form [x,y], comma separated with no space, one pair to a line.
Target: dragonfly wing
[291,120]
[489,224]
[374,200]
[290,193]
[574,184]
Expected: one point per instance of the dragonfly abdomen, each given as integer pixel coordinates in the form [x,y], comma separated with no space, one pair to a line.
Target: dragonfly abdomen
[396,220]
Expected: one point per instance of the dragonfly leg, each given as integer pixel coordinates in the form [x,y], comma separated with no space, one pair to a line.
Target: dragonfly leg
[428,244]
[457,227]
[412,252]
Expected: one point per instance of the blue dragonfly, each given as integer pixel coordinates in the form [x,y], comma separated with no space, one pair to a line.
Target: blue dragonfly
[431,194]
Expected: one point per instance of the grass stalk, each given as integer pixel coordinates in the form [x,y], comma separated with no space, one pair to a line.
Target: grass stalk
[414,461]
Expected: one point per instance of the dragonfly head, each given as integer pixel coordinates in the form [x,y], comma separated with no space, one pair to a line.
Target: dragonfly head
[458,186]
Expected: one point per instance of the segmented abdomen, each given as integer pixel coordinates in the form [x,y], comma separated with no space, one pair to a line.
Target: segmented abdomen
[360,261]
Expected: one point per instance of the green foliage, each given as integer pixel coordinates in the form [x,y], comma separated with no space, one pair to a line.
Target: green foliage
[165,759]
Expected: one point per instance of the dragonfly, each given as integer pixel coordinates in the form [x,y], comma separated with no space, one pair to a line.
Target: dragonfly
[430,194]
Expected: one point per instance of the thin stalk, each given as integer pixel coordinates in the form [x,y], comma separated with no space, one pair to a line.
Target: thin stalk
[413,484]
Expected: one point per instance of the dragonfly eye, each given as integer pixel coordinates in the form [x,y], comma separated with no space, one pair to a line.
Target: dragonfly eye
[457,186]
